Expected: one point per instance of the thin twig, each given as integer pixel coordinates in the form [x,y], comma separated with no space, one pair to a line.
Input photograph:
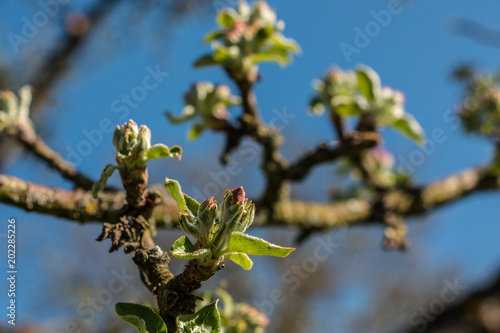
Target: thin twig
[27,137]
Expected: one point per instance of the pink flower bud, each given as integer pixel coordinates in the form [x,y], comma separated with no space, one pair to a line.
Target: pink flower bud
[239,25]
[207,203]
[238,195]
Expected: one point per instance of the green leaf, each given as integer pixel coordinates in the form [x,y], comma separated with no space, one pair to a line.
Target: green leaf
[243,243]
[195,131]
[191,204]
[176,151]
[161,151]
[227,300]
[175,190]
[281,59]
[286,44]
[345,106]
[280,52]
[187,113]
[410,127]
[243,260]
[184,201]
[346,110]
[368,82]
[223,53]
[184,249]
[101,183]
[212,36]
[145,319]
[316,106]
[225,18]
[205,61]
[206,320]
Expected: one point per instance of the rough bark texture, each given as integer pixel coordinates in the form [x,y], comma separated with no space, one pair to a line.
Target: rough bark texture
[79,205]
[135,183]
[175,297]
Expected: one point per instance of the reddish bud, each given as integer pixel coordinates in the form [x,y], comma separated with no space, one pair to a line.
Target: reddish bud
[238,195]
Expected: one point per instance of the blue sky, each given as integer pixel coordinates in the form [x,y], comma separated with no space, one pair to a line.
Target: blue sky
[415,53]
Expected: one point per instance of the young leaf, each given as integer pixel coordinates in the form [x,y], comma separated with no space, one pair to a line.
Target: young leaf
[316,106]
[101,183]
[184,249]
[195,131]
[225,18]
[176,151]
[345,106]
[243,260]
[141,317]
[269,56]
[243,243]
[206,320]
[185,115]
[368,82]
[161,151]
[191,204]
[345,110]
[175,190]
[204,61]
[409,126]
[183,244]
[212,36]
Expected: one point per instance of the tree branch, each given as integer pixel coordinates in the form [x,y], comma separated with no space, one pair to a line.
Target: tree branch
[273,162]
[27,137]
[175,297]
[353,145]
[79,205]
[404,202]
[476,313]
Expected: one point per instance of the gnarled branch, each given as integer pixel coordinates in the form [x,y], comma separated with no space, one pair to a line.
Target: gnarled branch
[79,205]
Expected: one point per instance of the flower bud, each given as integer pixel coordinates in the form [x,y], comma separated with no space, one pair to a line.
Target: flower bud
[124,136]
[263,14]
[207,214]
[190,225]
[245,39]
[8,101]
[227,226]
[209,103]
[381,158]
[237,211]
[14,109]
[232,199]
[392,105]
[132,143]
[247,217]
[143,143]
